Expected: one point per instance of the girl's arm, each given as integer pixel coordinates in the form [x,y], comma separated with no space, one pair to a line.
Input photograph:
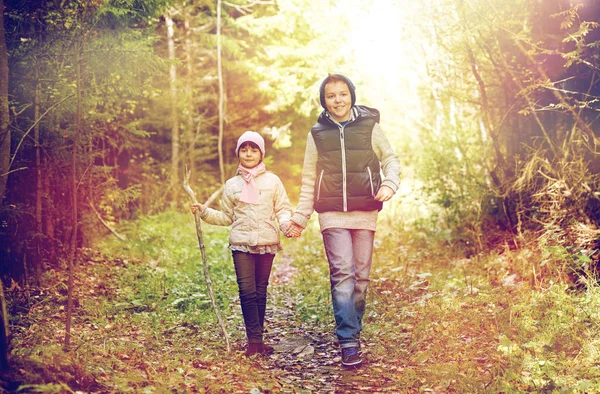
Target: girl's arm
[224,217]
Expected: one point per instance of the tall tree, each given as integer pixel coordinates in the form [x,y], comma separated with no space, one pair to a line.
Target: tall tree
[190,143]
[4,169]
[38,177]
[221,92]
[4,114]
[173,104]
[110,105]
[78,129]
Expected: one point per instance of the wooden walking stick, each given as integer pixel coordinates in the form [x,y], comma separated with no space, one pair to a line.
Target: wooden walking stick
[198,220]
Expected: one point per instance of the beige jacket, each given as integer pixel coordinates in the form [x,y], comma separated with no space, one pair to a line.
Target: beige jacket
[253,224]
[365,220]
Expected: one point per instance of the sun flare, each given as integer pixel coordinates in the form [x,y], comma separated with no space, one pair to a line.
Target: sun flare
[386,46]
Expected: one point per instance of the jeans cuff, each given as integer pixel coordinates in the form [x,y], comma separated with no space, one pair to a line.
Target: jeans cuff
[348,343]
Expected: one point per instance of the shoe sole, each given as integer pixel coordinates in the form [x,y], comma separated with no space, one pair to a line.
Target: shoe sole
[354,364]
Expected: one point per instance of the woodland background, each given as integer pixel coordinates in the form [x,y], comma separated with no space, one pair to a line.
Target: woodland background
[493,108]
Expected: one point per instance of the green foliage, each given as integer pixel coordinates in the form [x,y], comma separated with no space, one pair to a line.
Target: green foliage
[501,140]
[508,146]
[493,323]
[80,72]
[453,164]
[126,11]
[174,278]
[45,388]
[554,333]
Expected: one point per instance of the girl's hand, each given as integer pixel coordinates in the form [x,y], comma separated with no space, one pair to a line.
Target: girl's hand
[293,231]
[384,194]
[197,207]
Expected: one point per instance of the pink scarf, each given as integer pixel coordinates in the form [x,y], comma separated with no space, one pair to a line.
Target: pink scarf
[249,189]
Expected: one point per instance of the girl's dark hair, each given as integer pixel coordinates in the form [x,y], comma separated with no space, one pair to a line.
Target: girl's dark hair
[252,145]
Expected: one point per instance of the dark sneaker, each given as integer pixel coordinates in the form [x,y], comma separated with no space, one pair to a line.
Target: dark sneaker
[350,357]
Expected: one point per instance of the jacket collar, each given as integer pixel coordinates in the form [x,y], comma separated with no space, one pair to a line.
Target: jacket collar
[325,116]
[356,112]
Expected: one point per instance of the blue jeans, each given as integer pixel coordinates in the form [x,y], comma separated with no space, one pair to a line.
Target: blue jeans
[350,255]
[252,272]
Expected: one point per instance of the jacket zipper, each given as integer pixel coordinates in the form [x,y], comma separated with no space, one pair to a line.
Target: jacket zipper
[343,147]
[371,181]
[319,185]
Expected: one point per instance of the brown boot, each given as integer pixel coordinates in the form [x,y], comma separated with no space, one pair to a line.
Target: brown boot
[253,348]
[266,349]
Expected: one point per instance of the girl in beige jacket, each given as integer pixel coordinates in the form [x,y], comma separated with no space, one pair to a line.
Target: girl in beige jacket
[256,206]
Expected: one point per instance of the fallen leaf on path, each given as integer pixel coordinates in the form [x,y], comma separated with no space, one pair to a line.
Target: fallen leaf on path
[307,351]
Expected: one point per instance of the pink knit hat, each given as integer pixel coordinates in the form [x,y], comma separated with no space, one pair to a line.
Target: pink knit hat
[251,136]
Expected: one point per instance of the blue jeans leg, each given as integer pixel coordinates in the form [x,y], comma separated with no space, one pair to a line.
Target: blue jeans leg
[252,272]
[350,256]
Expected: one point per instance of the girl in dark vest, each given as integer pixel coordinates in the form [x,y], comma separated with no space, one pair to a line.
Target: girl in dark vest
[346,152]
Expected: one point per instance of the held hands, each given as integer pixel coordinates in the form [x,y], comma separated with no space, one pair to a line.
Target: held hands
[384,194]
[197,207]
[293,231]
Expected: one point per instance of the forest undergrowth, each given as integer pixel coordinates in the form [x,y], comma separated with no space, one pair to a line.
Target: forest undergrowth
[436,321]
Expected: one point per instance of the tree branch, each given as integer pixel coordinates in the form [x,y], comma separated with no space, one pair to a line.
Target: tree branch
[112,230]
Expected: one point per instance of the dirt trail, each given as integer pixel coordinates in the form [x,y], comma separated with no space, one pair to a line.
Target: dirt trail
[310,358]
[306,357]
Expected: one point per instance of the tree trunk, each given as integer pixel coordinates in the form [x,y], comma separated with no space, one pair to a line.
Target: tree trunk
[190,158]
[74,212]
[4,115]
[174,113]
[47,208]
[37,259]
[221,94]
[4,168]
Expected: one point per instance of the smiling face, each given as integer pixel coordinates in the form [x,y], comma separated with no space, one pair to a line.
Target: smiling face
[249,155]
[338,100]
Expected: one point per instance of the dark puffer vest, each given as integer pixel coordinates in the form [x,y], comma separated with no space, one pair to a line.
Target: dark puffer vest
[348,170]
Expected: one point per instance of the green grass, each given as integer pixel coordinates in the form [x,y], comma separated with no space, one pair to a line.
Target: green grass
[435,323]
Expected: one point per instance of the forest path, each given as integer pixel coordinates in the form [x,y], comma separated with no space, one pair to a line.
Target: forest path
[416,339]
[132,355]
[309,354]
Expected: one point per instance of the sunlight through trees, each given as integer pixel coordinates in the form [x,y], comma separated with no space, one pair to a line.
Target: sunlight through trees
[492,106]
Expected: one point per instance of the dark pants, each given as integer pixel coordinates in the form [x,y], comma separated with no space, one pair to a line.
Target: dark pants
[252,271]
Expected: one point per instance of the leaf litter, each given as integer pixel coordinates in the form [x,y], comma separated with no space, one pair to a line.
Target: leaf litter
[120,351]
[125,343]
